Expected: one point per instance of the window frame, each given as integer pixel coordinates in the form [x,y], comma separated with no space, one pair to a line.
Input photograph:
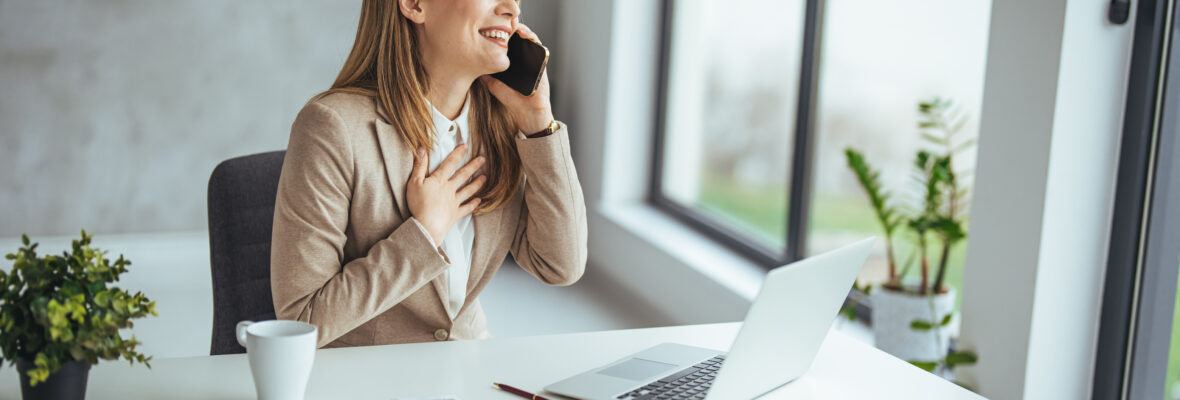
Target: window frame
[799,186]
[1140,286]
[802,151]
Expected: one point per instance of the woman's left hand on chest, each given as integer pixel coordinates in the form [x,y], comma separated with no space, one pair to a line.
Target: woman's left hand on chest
[531,113]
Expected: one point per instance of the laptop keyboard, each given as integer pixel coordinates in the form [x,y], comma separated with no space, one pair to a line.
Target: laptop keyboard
[689,383]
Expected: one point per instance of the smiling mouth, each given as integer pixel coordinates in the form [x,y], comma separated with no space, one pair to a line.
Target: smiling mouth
[497,36]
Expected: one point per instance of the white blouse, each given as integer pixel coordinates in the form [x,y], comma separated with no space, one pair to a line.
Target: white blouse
[458,241]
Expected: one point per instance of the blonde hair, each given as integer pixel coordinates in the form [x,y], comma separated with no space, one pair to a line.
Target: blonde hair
[385,64]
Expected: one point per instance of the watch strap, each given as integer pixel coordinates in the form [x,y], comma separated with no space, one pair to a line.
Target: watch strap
[545,132]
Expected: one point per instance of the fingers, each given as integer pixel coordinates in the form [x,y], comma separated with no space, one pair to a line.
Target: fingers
[469,207]
[527,33]
[421,160]
[447,168]
[469,190]
[544,79]
[502,92]
[467,171]
[494,85]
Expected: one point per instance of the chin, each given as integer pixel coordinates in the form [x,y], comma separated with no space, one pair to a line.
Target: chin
[493,63]
[499,65]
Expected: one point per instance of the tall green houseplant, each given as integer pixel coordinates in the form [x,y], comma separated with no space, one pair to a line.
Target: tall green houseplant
[939,211]
[934,220]
[58,309]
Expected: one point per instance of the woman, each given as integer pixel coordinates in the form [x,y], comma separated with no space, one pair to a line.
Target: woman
[406,184]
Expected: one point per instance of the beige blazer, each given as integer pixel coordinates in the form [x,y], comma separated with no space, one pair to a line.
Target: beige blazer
[347,256]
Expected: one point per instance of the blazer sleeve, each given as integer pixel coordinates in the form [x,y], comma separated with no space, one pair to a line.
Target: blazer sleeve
[310,280]
[550,238]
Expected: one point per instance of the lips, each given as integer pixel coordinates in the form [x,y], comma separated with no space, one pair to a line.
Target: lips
[497,35]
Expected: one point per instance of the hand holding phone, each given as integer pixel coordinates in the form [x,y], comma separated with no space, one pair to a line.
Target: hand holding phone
[524,87]
[527,61]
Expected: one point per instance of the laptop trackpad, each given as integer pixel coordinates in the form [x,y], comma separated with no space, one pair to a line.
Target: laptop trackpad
[636,369]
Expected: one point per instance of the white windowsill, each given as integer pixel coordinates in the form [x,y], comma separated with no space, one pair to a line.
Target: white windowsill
[691,248]
[696,254]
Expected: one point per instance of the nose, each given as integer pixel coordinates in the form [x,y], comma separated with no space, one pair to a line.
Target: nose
[508,8]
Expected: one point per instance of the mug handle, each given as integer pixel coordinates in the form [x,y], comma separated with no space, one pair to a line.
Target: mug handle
[241,332]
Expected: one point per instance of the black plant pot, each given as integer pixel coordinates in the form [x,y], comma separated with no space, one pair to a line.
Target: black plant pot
[67,383]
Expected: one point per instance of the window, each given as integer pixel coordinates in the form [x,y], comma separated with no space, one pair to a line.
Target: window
[874,72]
[1172,384]
[729,119]
[758,107]
[1139,319]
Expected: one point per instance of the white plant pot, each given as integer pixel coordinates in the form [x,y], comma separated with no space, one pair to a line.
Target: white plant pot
[893,311]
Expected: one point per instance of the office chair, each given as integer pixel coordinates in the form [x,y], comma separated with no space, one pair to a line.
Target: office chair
[241,211]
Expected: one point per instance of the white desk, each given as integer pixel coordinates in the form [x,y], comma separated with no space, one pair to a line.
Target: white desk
[844,369]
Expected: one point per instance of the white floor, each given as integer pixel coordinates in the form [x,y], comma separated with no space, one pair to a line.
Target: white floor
[173,270]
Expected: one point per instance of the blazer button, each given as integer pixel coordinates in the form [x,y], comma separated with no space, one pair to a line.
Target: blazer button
[440,335]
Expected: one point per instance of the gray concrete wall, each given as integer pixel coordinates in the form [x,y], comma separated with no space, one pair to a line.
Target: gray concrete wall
[113,113]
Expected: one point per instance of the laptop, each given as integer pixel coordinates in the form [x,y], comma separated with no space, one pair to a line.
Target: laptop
[777,342]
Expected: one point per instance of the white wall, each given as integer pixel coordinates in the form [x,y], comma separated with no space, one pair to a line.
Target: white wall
[1052,116]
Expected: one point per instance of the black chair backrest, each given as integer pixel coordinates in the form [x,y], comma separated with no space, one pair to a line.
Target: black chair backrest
[241,212]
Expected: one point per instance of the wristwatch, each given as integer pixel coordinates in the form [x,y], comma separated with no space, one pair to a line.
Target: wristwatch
[546,132]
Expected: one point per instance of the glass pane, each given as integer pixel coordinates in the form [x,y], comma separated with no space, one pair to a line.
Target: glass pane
[879,59]
[732,92]
[1173,382]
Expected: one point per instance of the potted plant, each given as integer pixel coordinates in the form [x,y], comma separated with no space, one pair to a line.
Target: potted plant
[910,318]
[59,315]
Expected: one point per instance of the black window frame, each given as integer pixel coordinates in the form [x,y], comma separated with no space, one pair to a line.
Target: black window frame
[1139,292]
[798,195]
[802,150]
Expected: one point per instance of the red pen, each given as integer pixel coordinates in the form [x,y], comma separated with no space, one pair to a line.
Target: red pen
[517,392]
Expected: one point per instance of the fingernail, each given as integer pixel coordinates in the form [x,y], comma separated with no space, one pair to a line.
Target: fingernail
[480,159]
[421,152]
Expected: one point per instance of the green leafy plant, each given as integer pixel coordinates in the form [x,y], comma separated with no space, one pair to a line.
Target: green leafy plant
[937,219]
[939,212]
[952,359]
[57,309]
[886,214]
[941,124]
[848,310]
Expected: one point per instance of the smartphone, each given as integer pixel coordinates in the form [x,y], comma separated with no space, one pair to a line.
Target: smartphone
[527,61]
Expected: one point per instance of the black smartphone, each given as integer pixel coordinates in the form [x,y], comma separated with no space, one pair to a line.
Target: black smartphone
[527,61]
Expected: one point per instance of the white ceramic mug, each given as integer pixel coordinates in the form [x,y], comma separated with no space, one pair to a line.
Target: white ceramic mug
[280,354]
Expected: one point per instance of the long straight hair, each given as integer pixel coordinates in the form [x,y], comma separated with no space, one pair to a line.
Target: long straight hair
[385,64]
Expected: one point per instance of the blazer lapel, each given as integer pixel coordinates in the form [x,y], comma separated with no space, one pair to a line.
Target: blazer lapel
[399,161]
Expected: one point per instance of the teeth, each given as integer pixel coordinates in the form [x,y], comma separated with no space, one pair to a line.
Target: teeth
[495,34]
